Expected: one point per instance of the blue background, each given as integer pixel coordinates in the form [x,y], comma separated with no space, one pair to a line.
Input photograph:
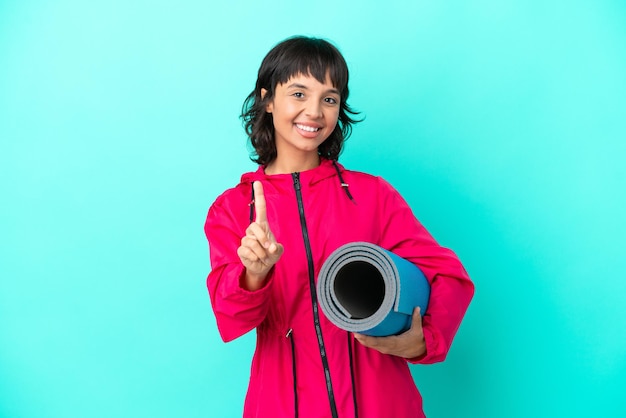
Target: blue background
[502,123]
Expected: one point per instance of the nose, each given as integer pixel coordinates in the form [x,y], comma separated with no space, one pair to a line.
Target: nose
[314,109]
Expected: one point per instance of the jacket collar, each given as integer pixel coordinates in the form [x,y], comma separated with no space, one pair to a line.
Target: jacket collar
[308,177]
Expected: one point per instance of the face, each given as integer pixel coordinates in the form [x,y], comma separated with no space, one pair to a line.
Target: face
[304,113]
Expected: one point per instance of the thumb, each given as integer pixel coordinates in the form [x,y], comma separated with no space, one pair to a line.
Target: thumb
[417,318]
[276,250]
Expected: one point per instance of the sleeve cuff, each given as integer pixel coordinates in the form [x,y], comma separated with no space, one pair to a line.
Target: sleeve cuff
[432,349]
[267,283]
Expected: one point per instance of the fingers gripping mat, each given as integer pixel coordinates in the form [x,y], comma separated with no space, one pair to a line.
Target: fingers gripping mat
[366,289]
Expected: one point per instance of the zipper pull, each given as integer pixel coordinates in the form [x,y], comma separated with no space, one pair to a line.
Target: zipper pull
[289,333]
[296,180]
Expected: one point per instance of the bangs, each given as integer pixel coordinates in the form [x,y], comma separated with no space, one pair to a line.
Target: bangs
[309,57]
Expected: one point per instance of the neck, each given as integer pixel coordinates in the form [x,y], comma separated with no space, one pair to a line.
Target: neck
[292,165]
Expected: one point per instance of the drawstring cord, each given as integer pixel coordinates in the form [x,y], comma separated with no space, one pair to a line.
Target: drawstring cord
[251,204]
[344,185]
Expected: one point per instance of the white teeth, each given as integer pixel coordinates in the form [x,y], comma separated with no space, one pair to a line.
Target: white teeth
[307,128]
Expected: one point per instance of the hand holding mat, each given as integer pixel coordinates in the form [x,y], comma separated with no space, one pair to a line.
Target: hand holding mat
[366,289]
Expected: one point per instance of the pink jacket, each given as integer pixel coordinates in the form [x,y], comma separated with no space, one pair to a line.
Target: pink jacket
[304,365]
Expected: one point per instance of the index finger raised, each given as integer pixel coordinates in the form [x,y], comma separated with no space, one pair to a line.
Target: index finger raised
[260,208]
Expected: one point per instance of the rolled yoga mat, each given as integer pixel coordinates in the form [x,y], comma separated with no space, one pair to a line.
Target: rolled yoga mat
[366,289]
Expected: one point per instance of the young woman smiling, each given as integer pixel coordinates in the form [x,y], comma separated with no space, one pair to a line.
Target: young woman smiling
[270,235]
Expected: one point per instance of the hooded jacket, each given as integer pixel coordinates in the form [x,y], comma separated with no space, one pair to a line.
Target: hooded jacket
[304,366]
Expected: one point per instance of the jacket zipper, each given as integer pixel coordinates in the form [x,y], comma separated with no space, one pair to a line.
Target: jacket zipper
[316,316]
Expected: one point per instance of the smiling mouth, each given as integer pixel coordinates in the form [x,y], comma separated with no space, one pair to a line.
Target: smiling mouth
[307,128]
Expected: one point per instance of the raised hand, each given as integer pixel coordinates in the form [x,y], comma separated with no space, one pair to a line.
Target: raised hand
[409,344]
[259,250]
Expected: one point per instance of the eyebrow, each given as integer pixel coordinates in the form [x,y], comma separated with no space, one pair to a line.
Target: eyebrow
[302,86]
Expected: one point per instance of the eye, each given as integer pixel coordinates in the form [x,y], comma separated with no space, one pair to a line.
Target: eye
[298,95]
[330,100]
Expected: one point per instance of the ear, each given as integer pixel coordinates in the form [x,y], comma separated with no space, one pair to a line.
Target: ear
[269,107]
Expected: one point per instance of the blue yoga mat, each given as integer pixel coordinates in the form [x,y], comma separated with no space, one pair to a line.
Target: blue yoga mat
[366,289]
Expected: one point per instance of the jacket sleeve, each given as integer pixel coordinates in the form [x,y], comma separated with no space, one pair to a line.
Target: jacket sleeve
[237,310]
[451,287]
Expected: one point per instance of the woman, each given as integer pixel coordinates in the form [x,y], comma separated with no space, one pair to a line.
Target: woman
[270,235]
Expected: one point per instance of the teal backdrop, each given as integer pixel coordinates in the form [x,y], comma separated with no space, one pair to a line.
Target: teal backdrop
[502,122]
